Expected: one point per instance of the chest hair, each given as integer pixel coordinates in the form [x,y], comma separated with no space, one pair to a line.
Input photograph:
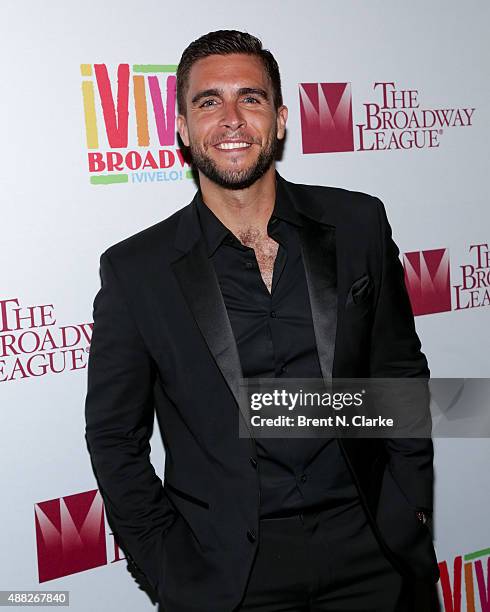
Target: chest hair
[265,252]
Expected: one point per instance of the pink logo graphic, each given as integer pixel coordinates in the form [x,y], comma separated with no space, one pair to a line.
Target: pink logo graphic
[428,280]
[326,117]
[70,535]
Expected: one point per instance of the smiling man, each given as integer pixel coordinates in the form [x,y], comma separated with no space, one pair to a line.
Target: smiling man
[256,277]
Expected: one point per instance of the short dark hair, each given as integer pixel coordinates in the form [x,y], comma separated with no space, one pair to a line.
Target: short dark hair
[226,42]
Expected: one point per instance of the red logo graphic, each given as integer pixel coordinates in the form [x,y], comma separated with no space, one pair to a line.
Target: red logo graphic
[466,584]
[70,535]
[427,279]
[326,117]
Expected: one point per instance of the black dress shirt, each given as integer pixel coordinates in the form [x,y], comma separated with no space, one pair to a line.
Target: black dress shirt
[275,339]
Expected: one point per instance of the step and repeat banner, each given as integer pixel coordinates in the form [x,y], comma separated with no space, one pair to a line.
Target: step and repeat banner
[384,97]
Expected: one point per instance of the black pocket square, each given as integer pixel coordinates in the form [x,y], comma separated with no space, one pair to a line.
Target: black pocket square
[359,290]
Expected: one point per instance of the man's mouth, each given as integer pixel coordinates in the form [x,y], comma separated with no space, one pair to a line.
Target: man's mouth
[233,145]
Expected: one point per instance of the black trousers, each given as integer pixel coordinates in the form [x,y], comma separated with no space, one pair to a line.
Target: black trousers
[324,561]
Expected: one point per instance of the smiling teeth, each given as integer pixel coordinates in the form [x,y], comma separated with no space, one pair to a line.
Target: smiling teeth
[233,145]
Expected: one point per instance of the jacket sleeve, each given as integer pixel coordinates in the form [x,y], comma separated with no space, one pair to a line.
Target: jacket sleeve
[396,353]
[119,417]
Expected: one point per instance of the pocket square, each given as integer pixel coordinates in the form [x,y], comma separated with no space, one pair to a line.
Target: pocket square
[359,290]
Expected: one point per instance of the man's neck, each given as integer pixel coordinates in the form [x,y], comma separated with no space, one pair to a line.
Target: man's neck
[242,210]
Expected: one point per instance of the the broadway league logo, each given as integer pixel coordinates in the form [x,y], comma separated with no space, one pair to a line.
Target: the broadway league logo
[33,345]
[428,280]
[70,535]
[474,289]
[393,120]
[427,277]
[326,117]
[130,130]
[471,577]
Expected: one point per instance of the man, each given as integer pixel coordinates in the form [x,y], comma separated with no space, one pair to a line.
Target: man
[256,277]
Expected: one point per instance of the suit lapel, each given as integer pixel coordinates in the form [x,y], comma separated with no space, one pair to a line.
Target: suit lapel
[319,258]
[199,284]
[318,247]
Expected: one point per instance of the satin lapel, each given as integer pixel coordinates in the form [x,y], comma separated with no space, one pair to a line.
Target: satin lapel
[197,279]
[319,257]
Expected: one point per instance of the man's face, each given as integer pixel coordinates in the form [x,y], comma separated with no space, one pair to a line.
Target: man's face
[231,124]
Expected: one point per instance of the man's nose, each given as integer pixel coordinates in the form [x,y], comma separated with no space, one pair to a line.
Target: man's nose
[232,117]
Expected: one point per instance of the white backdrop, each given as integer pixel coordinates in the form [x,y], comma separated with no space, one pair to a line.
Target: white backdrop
[56,223]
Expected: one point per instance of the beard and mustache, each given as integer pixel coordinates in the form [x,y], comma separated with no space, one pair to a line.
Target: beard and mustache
[236,179]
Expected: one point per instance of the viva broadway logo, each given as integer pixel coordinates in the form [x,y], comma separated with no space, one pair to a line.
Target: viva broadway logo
[469,589]
[130,124]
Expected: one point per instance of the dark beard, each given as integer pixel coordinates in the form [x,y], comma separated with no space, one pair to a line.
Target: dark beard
[232,179]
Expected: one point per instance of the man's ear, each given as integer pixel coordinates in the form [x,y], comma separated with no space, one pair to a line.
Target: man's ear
[282,117]
[182,128]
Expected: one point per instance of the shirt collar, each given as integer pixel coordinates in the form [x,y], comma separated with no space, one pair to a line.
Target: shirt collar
[215,231]
[284,208]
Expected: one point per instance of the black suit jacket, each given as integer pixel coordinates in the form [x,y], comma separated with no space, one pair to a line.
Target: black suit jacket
[162,341]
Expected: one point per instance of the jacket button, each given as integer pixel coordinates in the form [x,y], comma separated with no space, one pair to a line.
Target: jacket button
[253,461]
[251,535]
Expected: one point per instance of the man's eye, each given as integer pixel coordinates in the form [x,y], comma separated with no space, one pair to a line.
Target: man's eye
[251,99]
[207,103]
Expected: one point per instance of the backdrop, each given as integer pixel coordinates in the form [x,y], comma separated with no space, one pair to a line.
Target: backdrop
[388,98]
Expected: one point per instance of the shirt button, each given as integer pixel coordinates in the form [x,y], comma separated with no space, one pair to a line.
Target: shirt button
[273,314]
[303,478]
[251,535]
[253,461]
